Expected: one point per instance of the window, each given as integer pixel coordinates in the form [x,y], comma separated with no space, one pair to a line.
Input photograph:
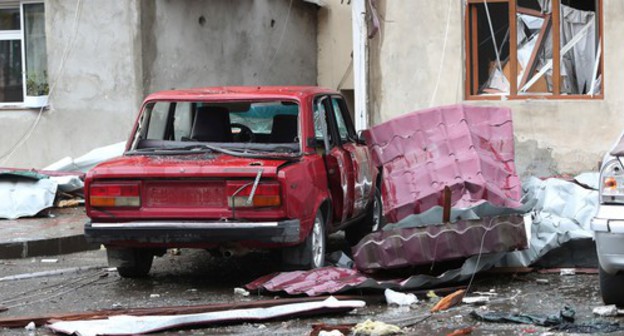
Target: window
[23,57]
[551,48]
[342,126]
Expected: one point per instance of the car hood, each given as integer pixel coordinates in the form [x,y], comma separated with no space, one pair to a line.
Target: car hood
[183,166]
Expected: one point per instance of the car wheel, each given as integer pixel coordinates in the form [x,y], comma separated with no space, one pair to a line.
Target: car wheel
[310,254]
[612,288]
[372,221]
[131,263]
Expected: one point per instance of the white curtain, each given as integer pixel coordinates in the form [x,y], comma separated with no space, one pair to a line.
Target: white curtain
[577,65]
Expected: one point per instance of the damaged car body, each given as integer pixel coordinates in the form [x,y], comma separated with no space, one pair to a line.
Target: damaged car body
[232,170]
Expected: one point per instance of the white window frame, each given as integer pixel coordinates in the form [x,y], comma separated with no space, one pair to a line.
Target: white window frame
[12,35]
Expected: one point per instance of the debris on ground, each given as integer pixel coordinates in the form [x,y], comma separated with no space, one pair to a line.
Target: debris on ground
[562,213]
[330,333]
[376,328]
[57,272]
[449,301]
[326,329]
[69,203]
[25,194]
[89,160]
[20,322]
[339,259]
[340,280]
[437,211]
[567,271]
[463,331]
[126,324]
[30,326]
[609,310]
[399,299]
[241,292]
[476,300]
[593,327]
[565,315]
[542,281]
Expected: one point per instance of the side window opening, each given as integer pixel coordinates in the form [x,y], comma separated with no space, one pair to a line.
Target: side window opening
[339,113]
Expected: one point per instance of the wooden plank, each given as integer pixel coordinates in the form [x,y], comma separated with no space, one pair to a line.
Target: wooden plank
[556,35]
[538,46]
[467,53]
[446,215]
[475,51]
[530,11]
[513,49]
[559,97]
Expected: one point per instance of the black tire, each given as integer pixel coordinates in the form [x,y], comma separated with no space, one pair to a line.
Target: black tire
[612,288]
[372,221]
[138,265]
[311,253]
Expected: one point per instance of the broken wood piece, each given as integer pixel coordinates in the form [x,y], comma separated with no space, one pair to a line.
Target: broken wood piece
[446,216]
[449,301]
[3,309]
[68,203]
[463,331]
[530,68]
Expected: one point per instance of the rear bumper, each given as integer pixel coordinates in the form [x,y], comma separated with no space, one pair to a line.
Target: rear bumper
[172,233]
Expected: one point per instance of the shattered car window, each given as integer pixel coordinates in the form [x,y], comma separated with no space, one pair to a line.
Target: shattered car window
[243,126]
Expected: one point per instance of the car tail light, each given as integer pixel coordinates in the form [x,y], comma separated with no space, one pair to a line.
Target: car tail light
[267,194]
[612,182]
[115,195]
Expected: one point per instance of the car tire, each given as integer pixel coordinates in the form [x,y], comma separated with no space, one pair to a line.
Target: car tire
[372,221]
[612,288]
[311,253]
[135,263]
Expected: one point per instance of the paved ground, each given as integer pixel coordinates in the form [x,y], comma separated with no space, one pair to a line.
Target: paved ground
[193,278]
[55,231]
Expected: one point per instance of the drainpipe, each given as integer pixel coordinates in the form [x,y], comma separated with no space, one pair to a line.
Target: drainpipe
[360,63]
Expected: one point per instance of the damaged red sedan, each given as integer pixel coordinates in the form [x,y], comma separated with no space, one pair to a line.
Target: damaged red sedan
[234,169]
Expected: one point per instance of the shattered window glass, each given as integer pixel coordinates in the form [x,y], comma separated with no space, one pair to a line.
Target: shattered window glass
[536,58]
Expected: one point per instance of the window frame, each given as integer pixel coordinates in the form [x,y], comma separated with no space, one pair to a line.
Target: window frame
[471,54]
[12,35]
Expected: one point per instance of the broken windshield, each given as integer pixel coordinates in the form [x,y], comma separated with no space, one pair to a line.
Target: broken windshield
[238,126]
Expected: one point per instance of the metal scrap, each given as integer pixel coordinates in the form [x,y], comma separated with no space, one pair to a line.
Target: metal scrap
[125,324]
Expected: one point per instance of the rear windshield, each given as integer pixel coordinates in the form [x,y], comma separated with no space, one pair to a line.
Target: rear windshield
[230,124]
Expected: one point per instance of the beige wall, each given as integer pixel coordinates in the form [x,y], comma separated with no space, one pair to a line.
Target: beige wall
[335,45]
[552,136]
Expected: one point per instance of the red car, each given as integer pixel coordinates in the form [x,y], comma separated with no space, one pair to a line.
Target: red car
[232,170]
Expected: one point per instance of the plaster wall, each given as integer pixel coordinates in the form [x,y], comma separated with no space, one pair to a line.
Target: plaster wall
[408,61]
[93,75]
[224,42]
[335,44]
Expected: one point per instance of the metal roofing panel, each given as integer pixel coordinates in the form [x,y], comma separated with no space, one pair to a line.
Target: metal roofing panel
[468,148]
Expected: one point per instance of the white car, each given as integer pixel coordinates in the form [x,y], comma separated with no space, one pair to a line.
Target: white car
[608,225]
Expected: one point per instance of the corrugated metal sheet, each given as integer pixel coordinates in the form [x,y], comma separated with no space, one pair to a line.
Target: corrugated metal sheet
[470,149]
[338,280]
[435,243]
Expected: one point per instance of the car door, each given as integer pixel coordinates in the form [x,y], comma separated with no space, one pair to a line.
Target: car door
[337,161]
[358,159]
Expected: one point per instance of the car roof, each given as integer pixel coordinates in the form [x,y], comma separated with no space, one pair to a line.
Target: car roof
[240,93]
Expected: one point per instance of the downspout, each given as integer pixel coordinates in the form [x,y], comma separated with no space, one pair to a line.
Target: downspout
[360,63]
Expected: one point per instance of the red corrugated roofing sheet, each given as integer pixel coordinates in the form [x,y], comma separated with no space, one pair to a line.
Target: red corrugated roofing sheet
[470,149]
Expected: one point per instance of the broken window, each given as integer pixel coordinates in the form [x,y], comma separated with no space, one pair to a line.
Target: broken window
[534,49]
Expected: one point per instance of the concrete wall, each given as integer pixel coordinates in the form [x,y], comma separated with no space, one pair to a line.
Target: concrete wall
[93,100]
[552,136]
[224,42]
[335,43]
[121,50]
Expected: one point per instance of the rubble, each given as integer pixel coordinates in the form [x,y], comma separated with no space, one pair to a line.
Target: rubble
[610,310]
[449,301]
[126,324]
[399,299]
[376,328]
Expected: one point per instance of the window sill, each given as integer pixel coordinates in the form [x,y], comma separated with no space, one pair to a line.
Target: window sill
[20,107]
[536,97]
